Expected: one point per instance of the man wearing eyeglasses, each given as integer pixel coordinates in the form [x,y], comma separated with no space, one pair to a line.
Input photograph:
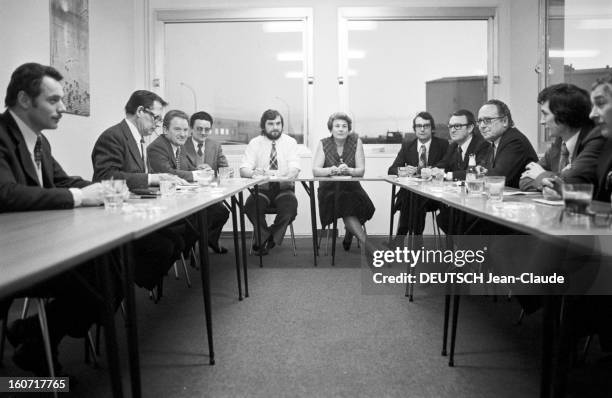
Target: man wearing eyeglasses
[425,151]
[120,154]
[510,150]
[465,142]
[565,112]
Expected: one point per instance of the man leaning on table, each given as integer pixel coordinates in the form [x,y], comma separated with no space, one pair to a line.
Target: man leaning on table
[119,153]
[273,154]
[565,112]
[31,179]
[169,154]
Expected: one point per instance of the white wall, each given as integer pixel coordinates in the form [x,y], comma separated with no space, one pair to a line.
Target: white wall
[111,44]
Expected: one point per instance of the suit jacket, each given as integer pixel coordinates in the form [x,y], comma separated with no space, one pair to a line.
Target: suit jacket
[162,159]
[116,155]
[408,154]
[513,154]
[582,167]
[213,155]
[458,165]
[604,167]
[19,188]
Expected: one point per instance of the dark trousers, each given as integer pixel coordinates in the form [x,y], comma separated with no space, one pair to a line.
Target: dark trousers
[422,206]
[217,217]
[285,204]
[155,254]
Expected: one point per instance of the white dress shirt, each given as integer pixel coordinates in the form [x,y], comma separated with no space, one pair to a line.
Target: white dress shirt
[257,154]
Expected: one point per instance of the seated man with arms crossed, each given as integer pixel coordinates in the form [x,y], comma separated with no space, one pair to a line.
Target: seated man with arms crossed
[31,179]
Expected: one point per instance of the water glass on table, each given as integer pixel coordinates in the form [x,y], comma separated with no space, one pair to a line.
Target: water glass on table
[114,193]
[225,173]
[494,187]
[167,187]
[577,198]
[403,172]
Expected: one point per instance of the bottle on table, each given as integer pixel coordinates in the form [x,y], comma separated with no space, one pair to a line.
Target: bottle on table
[473,183]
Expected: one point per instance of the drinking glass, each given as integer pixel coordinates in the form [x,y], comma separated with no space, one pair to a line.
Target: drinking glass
[426,173]
[225,173]
[475,186]
[402,172]
[114,193]
[167,187]
[204,177]
[494,188]
[577,198]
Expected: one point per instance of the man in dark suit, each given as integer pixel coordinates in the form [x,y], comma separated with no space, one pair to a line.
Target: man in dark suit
[565,112]
[465,142]
[510,150]
[168,154]
[202,152]
[601,113]
[31,179]
[426,150]
[119,153]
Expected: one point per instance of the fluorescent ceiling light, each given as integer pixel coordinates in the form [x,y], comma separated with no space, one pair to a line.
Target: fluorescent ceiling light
[595,24]
[356,54]
[290,56]
[362,25]
[283,26]
[294,75]
[573,53]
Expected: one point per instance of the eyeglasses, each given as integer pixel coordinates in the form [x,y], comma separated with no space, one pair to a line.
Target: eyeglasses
[457,126]
[156,118]
[422,126]
[205,129]
[488,120]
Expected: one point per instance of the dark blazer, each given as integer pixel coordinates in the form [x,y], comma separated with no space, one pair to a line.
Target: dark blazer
[408,154]
[19,188]
[116,155]
[604,167]
[213,155]
[583,166]
[457,165]
[163,160]
[513,154]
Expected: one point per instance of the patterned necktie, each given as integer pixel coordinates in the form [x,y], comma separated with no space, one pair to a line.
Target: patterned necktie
[200,149]
[273,158]
[178,158]
[423,157]
[564,157]
[492,155]
[38,152]
[459,158]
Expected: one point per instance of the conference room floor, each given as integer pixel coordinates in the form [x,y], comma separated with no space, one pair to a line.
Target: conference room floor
[308,331]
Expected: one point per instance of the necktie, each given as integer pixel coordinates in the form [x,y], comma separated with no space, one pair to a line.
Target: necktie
[200,149]
[142,153]
[564,157]
[492,154]
[273,158]
[178,158]
[38,152]
[423,157]
[459,158]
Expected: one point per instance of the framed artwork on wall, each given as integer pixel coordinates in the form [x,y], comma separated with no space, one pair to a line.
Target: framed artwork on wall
[70,51]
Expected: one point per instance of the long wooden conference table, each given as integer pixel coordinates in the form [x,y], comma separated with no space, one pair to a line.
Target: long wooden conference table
[39,245]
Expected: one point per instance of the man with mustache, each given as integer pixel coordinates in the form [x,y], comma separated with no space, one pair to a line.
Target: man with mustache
[274,154]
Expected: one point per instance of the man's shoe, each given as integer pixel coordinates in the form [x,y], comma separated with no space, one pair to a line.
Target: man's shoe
[270,243]
[260,250]
[217,249]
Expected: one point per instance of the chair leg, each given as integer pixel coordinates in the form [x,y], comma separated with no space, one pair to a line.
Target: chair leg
[26,306]
[195,256]
[176,275]
[185,269]
[293,238]
[90,348]
[42,318]
[327,241]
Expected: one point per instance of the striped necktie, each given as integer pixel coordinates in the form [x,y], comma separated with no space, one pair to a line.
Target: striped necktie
[38,152]
[142,153]
[423,157]
[273,157]
[178,158]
